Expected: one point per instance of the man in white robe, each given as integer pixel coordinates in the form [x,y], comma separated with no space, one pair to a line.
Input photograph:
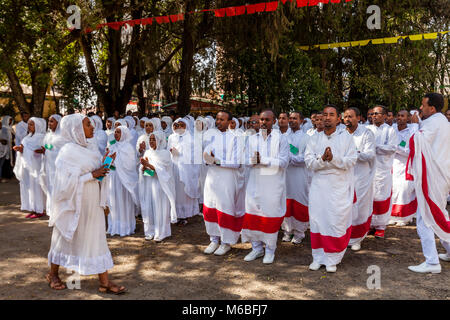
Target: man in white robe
[364,173]
[404,202]
[265,197]
[283,123]
[386,144]
[296,220]
[331,156]
[429,167]
[221,212]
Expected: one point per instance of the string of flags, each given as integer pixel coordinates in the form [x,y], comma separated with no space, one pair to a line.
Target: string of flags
[363,43]
[220,13]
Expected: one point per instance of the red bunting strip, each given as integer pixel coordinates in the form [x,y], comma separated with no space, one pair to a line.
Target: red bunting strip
[220,13]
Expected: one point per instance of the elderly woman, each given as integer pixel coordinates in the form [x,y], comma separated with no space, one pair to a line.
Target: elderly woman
[79,239]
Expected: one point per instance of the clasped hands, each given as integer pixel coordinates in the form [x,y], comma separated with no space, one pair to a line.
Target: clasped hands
[327,155]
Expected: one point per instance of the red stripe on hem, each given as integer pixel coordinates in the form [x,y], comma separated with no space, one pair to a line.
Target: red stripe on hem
[331,244]
[297,210]
[361,230]
[224,220]
[263,224]
[404,210]
[382,207]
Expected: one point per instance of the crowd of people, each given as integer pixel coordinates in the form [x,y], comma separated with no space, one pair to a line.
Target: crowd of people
[338,175]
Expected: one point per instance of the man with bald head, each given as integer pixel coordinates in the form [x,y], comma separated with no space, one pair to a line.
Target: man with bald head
[331,156]
[364,173]
[265,196]
[386,145]
[404,203]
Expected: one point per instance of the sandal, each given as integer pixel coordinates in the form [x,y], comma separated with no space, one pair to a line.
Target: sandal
[109,289]
[55,285]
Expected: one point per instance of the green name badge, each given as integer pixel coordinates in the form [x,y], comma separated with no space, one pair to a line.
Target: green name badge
[112,142]
[48,146]
[294,150]
[403,143]
[149,173]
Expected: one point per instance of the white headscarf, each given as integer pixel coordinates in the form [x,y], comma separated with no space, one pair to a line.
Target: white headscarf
[74,161]
[55,138]
[125,162]
[99,135]
[130,122]
[160,159]
[168,130]
[211,122]
[122,122]
[188,171]
[156,124]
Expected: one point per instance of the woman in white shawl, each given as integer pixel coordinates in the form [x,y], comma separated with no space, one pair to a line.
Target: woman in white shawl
[5,142]
[186,173]
[79,240]
[142,143]
[166,124]
[53,142]
[27,168]
[110,128]
[141,127]
[157,189]
[122,187]
[131,126]
[99,134]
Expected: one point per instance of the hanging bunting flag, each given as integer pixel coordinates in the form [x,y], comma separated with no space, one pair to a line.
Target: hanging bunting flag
[146,21]
[219,12]
[363,43]
[163,19]
[271,6]
[240,10]
[231,11]
[176,17]
[302,3]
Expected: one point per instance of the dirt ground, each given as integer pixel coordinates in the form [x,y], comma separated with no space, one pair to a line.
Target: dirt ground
[177,268]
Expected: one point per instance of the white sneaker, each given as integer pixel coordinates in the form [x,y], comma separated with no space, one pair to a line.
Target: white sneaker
[331,268]
[148,238]
[444,256]
[268,258]
[425,268]
[254,254]
[296,240]
[211,248]
[401,224]
[286,238]
[224,248]
[314,266]
[356,247]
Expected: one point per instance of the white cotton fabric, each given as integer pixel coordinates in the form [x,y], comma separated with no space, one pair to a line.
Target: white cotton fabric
[332,190]
[54,142]
[78,240]
[157,193]
[27,168]
[122,187]
[100,136]
[21,131]
[386,144]
[168,130]
[364,140]
[186,173]
[6,134]
[265,194]
[298,180]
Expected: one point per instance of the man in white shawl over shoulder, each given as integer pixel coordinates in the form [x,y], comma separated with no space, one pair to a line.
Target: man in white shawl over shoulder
[123,195]
[404,202]
[79,239]
[364,172]
[298,179]
[157,188]
[331,156]
[265,196]
[53,142]
[429,167]
[28,166]
[386,144]
[221,212]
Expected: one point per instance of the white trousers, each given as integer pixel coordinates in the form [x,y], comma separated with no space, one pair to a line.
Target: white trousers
[428,242]
[216,239]
[259,246]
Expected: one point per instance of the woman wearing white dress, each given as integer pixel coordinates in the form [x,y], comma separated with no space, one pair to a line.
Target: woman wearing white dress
[166,124]
[110,128]
[53,142]
[79,240]
[99,134]
[157,189]
[122,186]
[186,173]
[142,143]
[27,168]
